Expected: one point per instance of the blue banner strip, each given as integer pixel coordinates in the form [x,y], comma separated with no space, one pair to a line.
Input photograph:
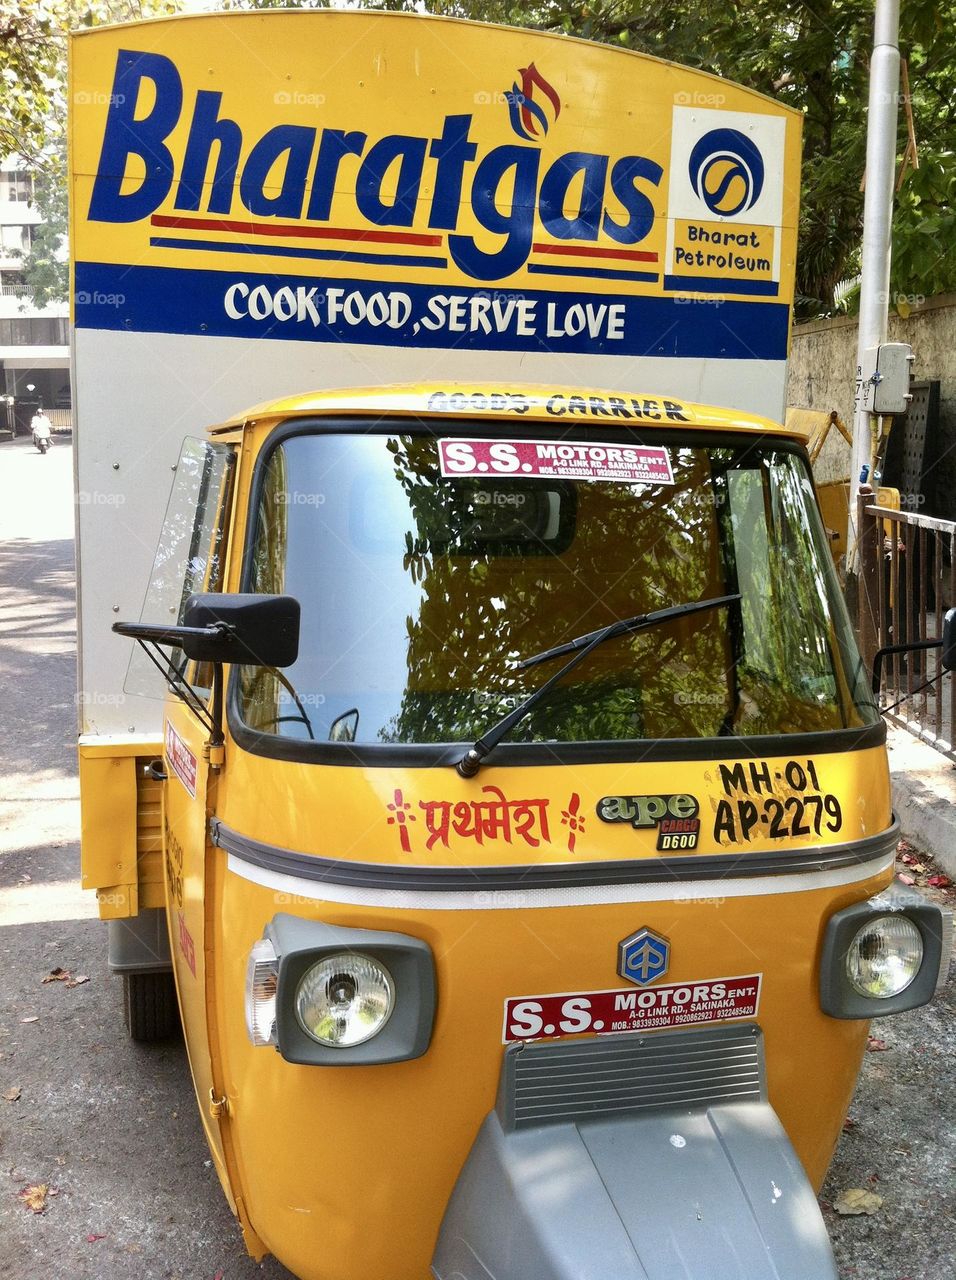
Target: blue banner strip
[598,273]
[247,304]
[716,284]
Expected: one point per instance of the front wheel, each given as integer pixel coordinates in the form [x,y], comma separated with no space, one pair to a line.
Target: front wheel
[151,1011]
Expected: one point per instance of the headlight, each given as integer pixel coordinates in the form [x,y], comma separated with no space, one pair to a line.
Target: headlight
[262,973]
[344,1000]
[884,956]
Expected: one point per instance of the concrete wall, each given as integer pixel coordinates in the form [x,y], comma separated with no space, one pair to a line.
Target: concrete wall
[823,362]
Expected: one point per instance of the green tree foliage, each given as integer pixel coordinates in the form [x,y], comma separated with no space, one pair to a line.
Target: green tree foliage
[33,109]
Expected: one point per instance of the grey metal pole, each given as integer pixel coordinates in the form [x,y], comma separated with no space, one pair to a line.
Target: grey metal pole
[881,129]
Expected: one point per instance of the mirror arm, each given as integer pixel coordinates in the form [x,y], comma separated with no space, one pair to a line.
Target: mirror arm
[216,736]
[889,649]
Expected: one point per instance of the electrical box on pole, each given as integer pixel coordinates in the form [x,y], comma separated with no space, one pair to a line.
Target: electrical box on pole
[885,378]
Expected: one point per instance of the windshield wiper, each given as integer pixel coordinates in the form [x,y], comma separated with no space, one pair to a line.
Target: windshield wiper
[470,763]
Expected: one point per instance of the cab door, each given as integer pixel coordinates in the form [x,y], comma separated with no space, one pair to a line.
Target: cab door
[191,557]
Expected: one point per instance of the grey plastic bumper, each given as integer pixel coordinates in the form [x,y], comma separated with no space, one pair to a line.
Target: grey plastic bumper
[140,944]
[625,1158]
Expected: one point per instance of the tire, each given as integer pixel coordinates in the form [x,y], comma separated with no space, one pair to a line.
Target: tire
[151,1011]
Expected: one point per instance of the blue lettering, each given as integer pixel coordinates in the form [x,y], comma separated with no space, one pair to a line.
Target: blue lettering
[205,129]
[554,194]
[126,136]
[453,150]
[293,141]
[335,144]
[517,226]
[410,155]
[624,176]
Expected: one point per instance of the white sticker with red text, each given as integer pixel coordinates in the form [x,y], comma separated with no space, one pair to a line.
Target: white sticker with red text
[556,460]
[181,760]
[679,1004]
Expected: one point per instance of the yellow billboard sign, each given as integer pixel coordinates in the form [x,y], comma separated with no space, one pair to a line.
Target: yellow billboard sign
[412,182]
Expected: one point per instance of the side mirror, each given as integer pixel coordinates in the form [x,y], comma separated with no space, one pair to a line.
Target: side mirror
[253,630]
[258,631]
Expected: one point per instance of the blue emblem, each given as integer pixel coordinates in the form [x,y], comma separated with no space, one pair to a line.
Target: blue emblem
[726,172]
[643,957]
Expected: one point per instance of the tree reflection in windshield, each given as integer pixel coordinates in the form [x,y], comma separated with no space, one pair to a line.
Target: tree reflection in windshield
[421,592]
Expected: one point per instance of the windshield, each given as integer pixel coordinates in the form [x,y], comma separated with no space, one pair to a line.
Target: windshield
[427,568]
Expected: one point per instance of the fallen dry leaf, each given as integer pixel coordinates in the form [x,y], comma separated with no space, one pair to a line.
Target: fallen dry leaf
[939,882]
[12,1095]
[93,1237]
[78,980]
[875,1045]
[33,1018]
[34,1196]
[908,858]
[58,975]
[848,1124]
[905,879]
[857,1200]
[919,867]
[904,846]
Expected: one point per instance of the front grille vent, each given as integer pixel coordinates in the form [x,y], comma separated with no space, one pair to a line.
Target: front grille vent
[574,1080]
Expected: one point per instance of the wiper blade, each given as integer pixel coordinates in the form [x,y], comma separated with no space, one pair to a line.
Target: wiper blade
[627,625]
[470,763]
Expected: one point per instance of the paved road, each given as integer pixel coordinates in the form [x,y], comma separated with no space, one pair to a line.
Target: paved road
[111,1126]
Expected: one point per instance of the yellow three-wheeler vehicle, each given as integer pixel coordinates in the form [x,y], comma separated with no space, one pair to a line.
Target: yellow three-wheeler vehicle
[527,836]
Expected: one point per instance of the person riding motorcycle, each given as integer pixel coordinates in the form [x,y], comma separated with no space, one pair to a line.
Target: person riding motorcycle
[42,431]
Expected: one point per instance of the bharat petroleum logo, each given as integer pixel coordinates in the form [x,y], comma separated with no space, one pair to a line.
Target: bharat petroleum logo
[528,118]
[726,172]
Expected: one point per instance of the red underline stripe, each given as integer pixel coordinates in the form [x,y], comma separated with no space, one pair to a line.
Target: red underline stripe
[573,251]
[293,229]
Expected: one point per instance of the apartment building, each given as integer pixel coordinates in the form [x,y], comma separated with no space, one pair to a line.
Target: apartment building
[34,342]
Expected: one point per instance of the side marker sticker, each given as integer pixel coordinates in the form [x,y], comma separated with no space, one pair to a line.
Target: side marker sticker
[612,1012]
[182,761]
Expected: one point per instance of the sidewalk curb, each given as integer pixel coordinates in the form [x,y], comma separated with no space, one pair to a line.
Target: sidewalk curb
[924,796]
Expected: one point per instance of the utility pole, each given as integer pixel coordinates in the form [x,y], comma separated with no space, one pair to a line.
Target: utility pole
[877,233]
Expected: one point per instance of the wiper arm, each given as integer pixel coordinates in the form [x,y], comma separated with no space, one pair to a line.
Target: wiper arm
[470,763]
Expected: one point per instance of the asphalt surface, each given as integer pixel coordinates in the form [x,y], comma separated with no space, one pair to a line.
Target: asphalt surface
[111,1128]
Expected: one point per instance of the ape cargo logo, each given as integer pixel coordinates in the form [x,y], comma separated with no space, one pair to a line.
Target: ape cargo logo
[304,177]
[528,118]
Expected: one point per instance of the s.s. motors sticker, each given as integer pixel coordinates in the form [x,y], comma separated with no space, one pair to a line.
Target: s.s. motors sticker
[556,460]
[680,1004]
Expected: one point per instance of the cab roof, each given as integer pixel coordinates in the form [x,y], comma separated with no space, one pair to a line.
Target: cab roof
[511,402]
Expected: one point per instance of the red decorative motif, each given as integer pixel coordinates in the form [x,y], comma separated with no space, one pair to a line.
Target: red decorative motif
[573,819]
[401,816]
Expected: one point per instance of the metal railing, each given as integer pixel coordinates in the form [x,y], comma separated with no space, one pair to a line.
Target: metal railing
[907,581]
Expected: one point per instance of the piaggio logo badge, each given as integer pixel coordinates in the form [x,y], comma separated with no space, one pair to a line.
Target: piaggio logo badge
[528,118]
[643,957]
[726,172]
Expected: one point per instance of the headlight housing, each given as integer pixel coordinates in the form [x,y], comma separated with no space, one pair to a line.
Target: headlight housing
[344,999]
[884,956]
[328,996]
